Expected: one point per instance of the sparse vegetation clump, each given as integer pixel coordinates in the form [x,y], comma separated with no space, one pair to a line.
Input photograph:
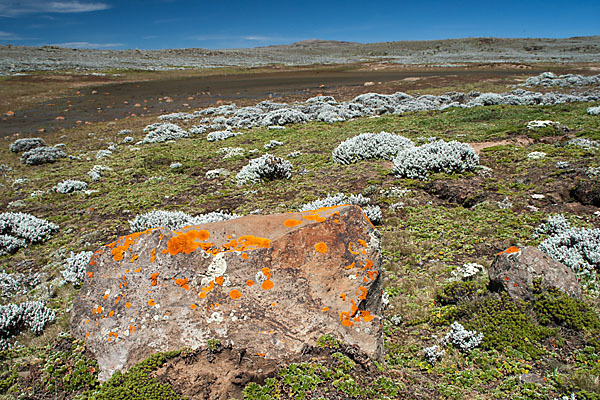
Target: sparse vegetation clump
[221,135]
[366,146]
[70,186]
[438,156]
[265,168]
[75,268]
[593,110]
[42,155]
[161,132]
[19,229]
[33,315]
[26,144]
[284,116]
[174,219]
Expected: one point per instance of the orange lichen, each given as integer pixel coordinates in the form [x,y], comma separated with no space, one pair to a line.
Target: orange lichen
[97,310]
[132,329]
[92,262]
[164,251]
[186,242]
[117,299]
[235,294]
[152,255]
[124,281]
[219,280]
[202,295]
[368,265]
[337,221]
[111,313]
[133,257]
[250,282]
[325,309]
[343,296]
[260,354]
[266,272]
[350,249]
[138,270]
[90,274]
[353,307]
[128,305]
[244,256]
[314,217]
[268,284]
[112,334]
[290,223]
[366,316]
[151,302]
[87,321]
[351,265]
[193,306]
[362,293]
[183,282]
[105,296]
[273,304]
[154,278]
[372,274]
[345,318]
[510,250]
[321,247]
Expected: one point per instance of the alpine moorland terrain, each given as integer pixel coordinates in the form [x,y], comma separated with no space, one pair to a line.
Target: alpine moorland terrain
[460,168]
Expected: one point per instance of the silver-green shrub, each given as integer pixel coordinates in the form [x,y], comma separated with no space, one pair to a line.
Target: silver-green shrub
[42,155]
[21,228]
[161,132]
[265,168]
[438,156]
[76,266]
[174,219]
[70,186]
[365,146]
[26,144]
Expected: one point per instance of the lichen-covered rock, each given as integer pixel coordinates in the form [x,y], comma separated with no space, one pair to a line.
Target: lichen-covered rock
[268,284]
[515,269]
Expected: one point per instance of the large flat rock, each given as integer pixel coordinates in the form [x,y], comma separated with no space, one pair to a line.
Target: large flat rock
[268,284]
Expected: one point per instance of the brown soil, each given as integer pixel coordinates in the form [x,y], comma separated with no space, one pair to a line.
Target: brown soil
[125,99]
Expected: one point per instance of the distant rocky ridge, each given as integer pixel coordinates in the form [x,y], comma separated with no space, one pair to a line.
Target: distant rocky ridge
[19,59]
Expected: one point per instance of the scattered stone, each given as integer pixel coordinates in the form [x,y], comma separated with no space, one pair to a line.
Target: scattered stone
[515,269]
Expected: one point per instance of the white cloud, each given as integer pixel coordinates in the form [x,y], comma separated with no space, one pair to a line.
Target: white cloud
[10,36]
[88,45]
[12,8]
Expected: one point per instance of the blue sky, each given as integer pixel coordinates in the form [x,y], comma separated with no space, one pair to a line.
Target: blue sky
[156,24]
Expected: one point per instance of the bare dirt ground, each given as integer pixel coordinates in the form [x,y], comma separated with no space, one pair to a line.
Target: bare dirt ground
[86,98]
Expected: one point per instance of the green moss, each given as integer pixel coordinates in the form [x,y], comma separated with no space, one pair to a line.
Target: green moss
[506,323]
[328,341]
[554,306]
[136,383]
[458,291]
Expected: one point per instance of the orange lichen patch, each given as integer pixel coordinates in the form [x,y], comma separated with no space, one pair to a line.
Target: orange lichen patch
[273,304]
[164,251]
[90,274]
[314,217]
[133,257]
[202,295]
[127,271]
[151,302]
[235,294]
[209,287]
[154,278]
[337,221]
[152,255]
[92,262]
[138,270]
[97,310]
[266,272]
[183,282]
[219,280]
[368,265]
[244,256]
[325,309]
[246,242]
[362,243]
[112,334]
[117,299]
[372,274]
[510,250]
[268,284]
[87,321]
[362,293]
[345,318]
[119,250]
[350,249]
[111,313]
[132,329]
[250,282]
[366,316]
[193,306]
[321,247]
[290,223]
[260,354]
[353,307]
[87,335]
[186,242]
[128,305]
[343,296]
[105,296]
[124,281]
[351,265]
